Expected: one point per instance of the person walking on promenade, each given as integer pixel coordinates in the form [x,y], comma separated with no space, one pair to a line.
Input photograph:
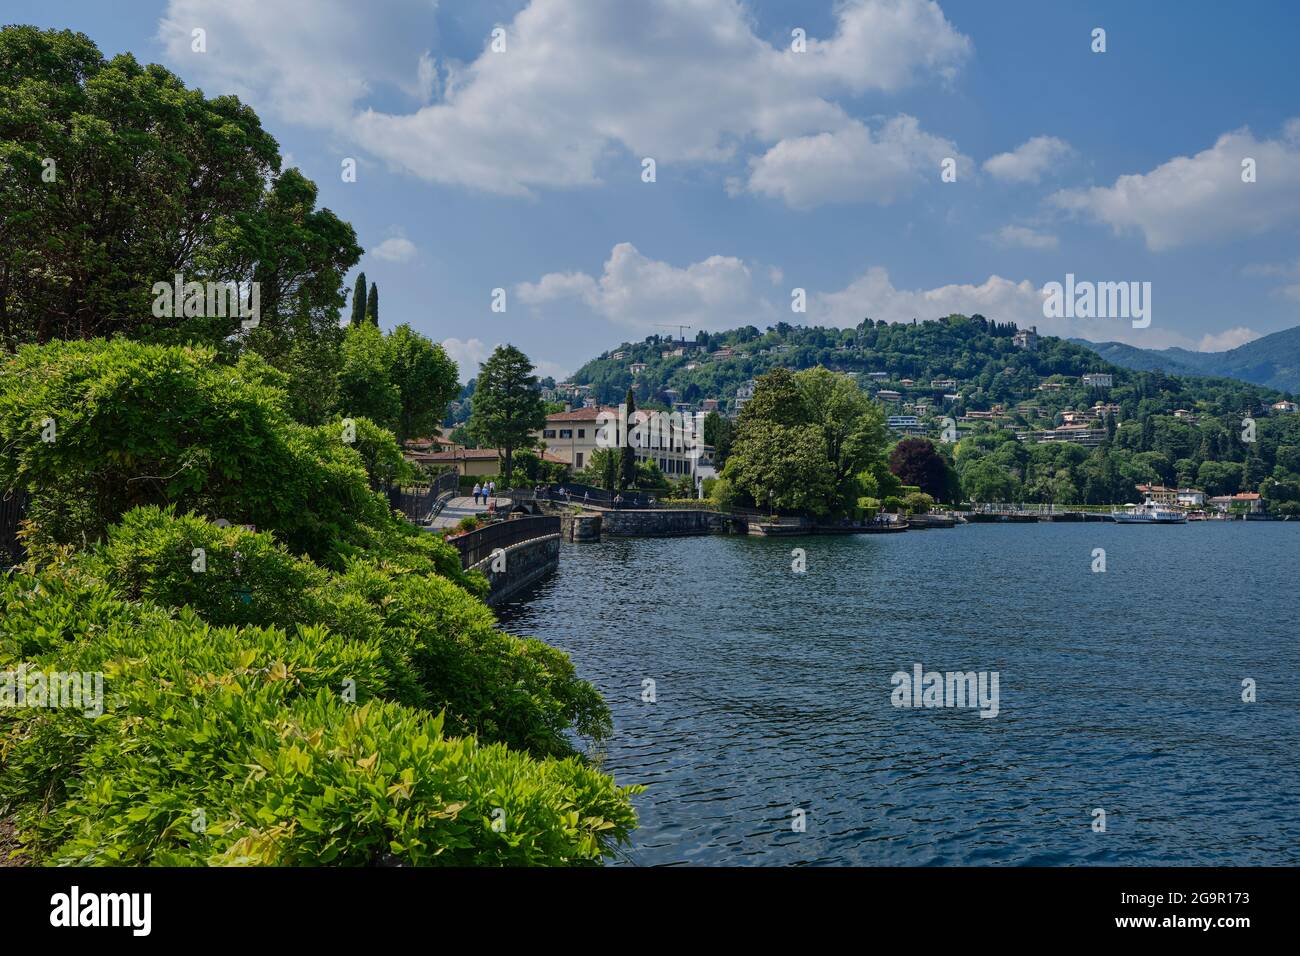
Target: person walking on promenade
[492,489]
[477,491]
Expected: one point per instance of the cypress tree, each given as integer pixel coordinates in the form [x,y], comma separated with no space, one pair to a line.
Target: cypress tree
[372,305]
[627,454]
[359,300]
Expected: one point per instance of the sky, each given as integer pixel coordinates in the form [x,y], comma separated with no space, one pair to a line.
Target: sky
[796,145]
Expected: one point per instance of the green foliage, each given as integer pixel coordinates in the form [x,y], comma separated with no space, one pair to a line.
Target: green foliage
[138,424]
[366,386]
[425,378]
[719,433]
[627,465]
[602,469]
[251,729]
[802,441]
[918,503]
[507,404]
[359,300]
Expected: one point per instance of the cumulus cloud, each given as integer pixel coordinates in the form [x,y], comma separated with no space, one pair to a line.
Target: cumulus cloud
[1229,339]
[306,61]
[873,295]
[468,354]
[719,292]
[576,80]
[1024,237]
[1029,161]
[396,249]
[853,164]
[1202,198]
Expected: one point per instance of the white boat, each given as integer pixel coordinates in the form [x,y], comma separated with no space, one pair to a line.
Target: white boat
[1149,513]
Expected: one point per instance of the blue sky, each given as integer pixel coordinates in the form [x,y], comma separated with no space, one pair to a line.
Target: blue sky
[819,170]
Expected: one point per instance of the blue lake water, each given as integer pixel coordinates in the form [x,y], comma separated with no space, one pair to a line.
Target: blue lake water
[1119,690]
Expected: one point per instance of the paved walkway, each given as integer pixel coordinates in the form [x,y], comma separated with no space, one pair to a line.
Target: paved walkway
[462,507]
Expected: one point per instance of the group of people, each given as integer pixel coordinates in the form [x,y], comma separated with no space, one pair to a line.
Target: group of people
[487,491]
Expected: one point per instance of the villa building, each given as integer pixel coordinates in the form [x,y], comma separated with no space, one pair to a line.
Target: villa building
[1026,339]
[1097,380]
[1249,502]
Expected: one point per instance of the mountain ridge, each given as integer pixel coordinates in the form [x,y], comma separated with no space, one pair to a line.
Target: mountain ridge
[1272,361]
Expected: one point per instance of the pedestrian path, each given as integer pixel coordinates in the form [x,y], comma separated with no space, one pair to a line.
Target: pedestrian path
[457,508]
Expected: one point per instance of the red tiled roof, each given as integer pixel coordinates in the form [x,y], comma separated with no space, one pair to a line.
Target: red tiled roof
[577,415]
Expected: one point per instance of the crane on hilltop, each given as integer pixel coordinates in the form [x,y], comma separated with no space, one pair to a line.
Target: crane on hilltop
[681,330]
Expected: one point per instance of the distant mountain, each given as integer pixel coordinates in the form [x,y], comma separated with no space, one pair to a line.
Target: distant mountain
[1272,361]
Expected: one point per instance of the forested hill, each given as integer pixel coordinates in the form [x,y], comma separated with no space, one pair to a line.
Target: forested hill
[980,355]
[1272,361]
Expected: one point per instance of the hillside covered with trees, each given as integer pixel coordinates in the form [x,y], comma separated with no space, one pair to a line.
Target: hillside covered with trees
[1001,401]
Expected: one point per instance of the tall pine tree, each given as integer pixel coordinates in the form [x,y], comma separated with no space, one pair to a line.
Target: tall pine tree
[372,304]
[359,300]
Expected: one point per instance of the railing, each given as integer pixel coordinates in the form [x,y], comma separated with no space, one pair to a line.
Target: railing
[13,508]
[1028,508]
[477,545]
[421,503]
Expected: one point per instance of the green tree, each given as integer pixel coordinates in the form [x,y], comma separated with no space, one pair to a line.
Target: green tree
[627,454]
[426,381]
[366,387]
[508,405]
[718,433]
[359,300]
[372,304]
[150,179]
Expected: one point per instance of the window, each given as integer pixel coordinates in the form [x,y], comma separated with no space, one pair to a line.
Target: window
[579,459]
[582,433]
[566,432]
[548,433]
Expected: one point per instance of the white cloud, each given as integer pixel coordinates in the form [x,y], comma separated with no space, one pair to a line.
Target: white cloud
[577,79]
[1029,161]
[1024,237]
[1202,198]
[306,61]
[719,292]
[396,249]
[468,354]
[1228,339]
[873,295]
[853,164]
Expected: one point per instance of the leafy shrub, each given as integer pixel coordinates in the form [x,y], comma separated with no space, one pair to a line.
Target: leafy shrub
[918,503]
[137,424]
[381,456]
[248,730]
[440,646]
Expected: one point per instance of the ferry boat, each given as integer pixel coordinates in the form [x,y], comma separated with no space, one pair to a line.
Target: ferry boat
[1149,513]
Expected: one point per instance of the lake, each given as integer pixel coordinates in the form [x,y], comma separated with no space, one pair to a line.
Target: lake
[1118,691]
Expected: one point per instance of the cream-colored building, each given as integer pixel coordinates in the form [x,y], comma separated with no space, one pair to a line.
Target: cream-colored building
[572,437]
